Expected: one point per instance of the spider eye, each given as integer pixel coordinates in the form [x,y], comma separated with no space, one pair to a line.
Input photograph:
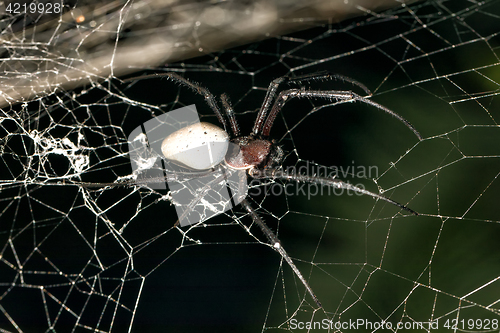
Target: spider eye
[199,146]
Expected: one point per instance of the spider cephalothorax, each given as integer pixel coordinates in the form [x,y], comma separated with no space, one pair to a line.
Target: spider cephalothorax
[250,152]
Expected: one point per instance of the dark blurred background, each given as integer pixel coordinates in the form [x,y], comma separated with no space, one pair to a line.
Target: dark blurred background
[434,63]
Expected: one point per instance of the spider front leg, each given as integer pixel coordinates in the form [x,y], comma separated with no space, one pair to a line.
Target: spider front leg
[276,244]
[344,96]
[326,75]
[273,88]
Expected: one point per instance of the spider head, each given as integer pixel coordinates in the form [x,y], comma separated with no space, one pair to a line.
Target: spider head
[249,152]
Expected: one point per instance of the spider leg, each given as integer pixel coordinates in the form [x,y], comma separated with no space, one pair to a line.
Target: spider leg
[345,96]
[270,94]
[178,177]
[209,98]
[323,181]
[273,87]
[230,114]
[276,244]
[326,75]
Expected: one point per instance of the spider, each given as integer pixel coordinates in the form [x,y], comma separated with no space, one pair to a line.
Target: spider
[260,156]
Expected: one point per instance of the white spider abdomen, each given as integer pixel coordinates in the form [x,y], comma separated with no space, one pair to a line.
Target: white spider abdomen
[199,146]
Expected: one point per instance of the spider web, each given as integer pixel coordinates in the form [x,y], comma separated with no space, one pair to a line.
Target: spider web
[75,258]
